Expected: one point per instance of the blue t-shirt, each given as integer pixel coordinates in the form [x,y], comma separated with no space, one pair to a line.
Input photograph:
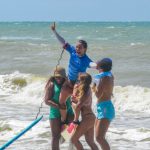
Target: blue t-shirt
[76,64]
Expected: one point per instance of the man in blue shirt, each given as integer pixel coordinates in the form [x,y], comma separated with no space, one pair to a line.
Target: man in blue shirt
[78,63]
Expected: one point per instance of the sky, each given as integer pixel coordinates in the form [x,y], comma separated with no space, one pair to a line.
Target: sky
[74,10]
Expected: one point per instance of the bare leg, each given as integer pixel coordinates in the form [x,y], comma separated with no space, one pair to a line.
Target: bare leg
[86,124]
[75,138]
[66,91]
[101,127]
[89,137]
[55,129]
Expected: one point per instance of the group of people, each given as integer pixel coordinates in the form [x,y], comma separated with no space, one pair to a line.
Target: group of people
[70,97]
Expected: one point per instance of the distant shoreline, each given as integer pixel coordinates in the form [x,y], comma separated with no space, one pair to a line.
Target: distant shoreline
[75,21]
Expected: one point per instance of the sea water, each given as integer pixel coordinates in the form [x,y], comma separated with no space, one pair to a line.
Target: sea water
[28,53]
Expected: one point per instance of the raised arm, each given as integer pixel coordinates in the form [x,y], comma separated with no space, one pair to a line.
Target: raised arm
[60,39]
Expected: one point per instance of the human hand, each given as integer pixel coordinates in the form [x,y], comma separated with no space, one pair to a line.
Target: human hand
[94,87]
[73,99]
[53,27]
[93,65]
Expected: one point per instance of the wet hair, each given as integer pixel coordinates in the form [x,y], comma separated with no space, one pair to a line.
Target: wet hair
[84,43]
[85,81]
[105,64]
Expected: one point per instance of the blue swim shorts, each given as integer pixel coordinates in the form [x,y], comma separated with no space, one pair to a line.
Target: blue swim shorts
[106,110]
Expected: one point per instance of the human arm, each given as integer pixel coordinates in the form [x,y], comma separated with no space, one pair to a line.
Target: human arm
[48,96]
[93,87]
[102,87]
[77,105]
[93,65]
[76,109]
[60,38]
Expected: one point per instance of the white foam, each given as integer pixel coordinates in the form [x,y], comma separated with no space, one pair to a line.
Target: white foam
[79,37]
[110,27]
[137,44]
[134,98]
[17,126]
[19,38]
[32,93]
[133,134]
[128,98]
[6,86]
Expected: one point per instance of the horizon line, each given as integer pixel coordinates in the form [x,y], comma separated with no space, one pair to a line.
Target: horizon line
[71,21]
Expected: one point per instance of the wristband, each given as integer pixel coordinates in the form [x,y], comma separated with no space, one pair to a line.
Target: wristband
[76,122]
[65,45]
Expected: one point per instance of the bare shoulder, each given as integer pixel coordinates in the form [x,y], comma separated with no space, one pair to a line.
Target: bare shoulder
[76,86]
[50,85]
[104,80]
[107,81]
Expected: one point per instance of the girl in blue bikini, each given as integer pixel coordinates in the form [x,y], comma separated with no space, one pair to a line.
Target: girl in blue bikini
[103,88]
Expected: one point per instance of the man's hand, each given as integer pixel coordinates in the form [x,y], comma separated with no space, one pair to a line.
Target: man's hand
[59,38]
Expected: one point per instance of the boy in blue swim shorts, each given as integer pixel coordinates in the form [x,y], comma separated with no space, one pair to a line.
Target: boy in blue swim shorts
[103,88]
[78,63]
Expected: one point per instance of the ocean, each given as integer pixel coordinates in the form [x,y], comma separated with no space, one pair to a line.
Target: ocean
[28,53]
